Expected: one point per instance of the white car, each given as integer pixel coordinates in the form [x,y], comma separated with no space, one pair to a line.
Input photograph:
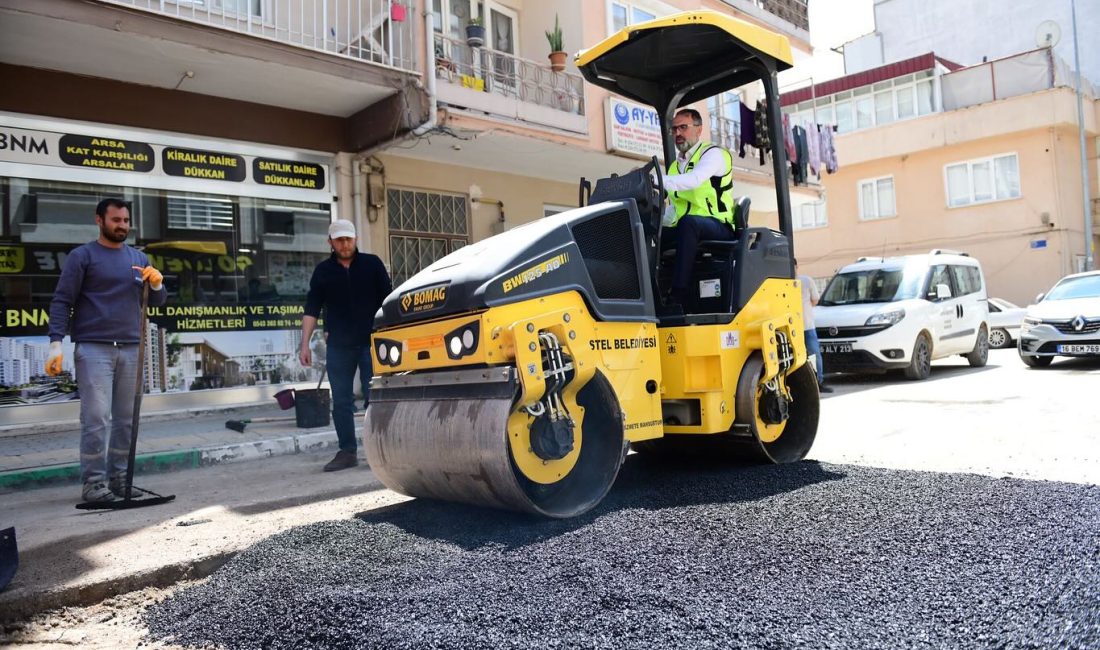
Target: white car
[1005,319]
[903,312]
[1063,322]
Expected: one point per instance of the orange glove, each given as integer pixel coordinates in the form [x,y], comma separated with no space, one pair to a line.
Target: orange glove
[53,359]
[153,277]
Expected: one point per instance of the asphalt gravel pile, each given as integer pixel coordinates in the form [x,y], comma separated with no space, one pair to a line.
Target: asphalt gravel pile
[795,556]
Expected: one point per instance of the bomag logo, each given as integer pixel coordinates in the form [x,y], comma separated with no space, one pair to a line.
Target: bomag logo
[423,299]
[535,272]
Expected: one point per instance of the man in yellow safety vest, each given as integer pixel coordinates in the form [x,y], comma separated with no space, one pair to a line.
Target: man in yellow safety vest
[699,184]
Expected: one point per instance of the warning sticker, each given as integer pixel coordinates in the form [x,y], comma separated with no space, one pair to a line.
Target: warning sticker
[730,339]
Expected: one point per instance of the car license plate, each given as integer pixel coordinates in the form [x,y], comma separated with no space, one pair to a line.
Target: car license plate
[1079,349]
[836,347]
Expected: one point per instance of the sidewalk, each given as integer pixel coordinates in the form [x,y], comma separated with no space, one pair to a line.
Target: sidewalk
[39,455]
[75,557]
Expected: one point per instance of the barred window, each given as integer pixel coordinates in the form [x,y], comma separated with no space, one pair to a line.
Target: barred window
[424,226]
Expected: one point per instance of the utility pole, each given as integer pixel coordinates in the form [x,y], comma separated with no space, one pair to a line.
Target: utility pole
[1081,133]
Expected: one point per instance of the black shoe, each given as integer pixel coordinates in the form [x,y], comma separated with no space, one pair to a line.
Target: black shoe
[343,460]
[822,388]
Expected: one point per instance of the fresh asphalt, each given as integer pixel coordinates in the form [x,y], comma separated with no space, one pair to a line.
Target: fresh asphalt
[808,555]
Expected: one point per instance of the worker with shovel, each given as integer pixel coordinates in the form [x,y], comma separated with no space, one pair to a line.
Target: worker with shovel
[98,303]
[349,287]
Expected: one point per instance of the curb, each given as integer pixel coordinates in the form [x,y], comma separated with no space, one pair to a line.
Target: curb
[166,461]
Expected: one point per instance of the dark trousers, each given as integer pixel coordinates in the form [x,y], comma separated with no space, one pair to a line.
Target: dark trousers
[685,238]
[343,361]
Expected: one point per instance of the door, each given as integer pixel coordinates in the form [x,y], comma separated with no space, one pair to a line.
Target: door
[941,292]
[500,34]
[972,307]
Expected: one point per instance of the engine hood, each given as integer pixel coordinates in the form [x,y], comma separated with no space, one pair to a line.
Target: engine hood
[1065,309]
[560,252]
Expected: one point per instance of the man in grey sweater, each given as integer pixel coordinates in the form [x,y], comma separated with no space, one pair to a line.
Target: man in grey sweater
[98,303]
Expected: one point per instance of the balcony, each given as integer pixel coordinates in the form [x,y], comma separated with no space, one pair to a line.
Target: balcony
[508,86]
[366,30]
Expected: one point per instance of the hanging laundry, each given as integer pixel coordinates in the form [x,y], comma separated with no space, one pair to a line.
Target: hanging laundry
[813,148]
[828,149]
[763,140]
[788,136]
[798,163]
[748,128]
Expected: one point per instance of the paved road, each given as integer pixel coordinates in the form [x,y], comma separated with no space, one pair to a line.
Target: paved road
[1001,420]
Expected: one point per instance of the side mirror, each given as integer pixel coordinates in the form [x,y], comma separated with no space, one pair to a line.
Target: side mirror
[1039,297]
[943,292]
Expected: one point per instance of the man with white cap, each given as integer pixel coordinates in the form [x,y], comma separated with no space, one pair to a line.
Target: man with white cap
[349,288]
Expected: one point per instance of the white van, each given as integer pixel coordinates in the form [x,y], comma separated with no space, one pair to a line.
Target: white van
[903,312]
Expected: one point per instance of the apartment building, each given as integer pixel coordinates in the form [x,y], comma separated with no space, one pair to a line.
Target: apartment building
[937,153]
[513,137]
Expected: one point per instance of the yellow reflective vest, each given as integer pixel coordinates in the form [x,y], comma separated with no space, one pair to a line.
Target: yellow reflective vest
[711,199]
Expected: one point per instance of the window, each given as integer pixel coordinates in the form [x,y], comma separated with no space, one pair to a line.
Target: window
[424,226]
[811,215]
[725,119]
[876,198]
[884,102]
[968,280]
[982,180]
[628,13]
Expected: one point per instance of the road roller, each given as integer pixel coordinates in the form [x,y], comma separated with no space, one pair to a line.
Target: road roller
[518,372]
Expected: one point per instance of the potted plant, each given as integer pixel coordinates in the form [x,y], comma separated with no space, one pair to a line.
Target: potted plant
[475,32]
[557,52]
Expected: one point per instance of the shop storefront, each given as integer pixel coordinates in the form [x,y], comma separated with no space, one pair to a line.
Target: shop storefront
[236,229]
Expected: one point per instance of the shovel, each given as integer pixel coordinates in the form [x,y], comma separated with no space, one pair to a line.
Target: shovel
[135,497]
[9,556]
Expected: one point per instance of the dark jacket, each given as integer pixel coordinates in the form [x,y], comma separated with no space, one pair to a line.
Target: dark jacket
[349,297]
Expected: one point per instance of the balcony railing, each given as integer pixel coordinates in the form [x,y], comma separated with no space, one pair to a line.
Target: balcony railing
[379,31]
[504,74]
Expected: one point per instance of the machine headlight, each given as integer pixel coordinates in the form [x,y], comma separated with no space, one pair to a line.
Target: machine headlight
[463,340]
[388,351]
[886,318]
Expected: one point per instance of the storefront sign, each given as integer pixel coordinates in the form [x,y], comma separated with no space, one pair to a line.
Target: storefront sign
[633,129]
[105,153]
[288,173]
[33,319]
[194,163]
[112,154]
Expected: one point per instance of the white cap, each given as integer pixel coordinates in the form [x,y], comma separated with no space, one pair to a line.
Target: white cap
[341,228]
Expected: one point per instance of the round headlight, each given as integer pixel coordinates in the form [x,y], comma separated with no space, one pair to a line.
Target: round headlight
[456,346]
[382,351]
[468,339]
[395,354]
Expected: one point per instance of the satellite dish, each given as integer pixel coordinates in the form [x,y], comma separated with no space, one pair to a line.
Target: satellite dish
[1047,34]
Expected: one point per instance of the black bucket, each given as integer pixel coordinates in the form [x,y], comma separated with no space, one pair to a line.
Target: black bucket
[312,407]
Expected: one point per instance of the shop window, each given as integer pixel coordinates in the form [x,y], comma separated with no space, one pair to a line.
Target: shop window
[424,226]
[200,213]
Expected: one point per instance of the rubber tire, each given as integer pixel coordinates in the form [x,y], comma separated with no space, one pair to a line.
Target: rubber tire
[979,356]
[999,338]
[1034,361]
[920,365]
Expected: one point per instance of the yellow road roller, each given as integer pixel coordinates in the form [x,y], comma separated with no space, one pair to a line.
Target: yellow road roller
[518,371]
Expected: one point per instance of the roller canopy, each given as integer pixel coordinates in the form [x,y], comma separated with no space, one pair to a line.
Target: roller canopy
[702,51]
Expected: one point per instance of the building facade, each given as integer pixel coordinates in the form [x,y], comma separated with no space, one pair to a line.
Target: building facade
[239,130]
[980,158]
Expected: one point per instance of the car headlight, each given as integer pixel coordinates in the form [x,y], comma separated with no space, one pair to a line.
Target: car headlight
[1028,323]
[463,340]
[886,318]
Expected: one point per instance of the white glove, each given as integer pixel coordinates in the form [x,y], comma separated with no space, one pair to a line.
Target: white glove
[668,217]
[53,359]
